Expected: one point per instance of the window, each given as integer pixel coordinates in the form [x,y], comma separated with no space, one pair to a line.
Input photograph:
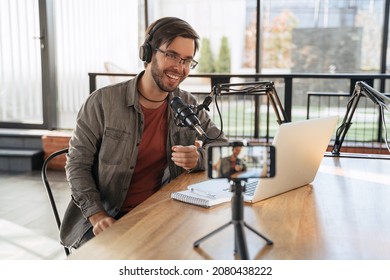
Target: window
[20,63]
[92,36]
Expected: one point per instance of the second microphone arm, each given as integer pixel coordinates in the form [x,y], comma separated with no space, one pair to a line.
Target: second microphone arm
[259,88]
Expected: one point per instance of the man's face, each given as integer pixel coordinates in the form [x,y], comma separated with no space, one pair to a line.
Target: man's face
[236,151]
[168,73]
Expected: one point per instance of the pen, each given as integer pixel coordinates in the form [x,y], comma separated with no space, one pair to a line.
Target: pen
[204,193]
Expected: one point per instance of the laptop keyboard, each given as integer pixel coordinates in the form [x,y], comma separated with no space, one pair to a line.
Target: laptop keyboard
[250,188]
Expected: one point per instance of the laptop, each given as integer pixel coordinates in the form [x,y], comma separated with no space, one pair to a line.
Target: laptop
[300,147]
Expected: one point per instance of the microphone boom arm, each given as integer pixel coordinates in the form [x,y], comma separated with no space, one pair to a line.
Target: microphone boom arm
[260,88]
[360,88]
[277,106]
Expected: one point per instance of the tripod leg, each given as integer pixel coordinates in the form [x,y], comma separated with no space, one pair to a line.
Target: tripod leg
[196,243]
[241,241]
[269,242]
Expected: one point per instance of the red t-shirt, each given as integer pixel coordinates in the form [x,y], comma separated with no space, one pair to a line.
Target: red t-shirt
[152,157]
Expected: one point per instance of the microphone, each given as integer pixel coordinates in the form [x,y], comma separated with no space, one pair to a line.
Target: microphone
[186,115]
[209,98]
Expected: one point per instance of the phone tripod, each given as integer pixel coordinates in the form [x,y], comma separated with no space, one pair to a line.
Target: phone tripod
[240,246]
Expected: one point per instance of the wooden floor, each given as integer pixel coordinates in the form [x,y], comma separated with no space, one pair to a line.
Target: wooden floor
[28,228]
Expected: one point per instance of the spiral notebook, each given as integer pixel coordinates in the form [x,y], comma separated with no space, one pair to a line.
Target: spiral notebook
[202,195]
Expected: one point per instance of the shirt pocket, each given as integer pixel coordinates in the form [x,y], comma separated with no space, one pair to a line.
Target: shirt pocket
[114,145]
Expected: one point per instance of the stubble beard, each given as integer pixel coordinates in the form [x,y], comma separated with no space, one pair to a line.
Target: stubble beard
[158,76]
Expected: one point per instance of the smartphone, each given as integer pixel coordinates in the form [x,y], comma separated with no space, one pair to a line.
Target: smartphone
[236,160]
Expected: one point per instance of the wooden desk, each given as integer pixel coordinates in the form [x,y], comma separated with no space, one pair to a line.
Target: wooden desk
[343,214]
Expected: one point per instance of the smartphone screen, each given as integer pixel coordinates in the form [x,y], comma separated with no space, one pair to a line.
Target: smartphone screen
[239,161]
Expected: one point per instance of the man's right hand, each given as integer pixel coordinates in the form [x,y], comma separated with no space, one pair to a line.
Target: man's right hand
[101,221]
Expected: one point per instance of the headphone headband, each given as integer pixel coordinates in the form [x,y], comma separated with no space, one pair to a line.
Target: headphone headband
[145,50]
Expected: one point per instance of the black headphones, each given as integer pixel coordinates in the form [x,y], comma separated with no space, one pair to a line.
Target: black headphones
[145,50]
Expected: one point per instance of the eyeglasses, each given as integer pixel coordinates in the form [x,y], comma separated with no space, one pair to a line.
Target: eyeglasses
[187,62]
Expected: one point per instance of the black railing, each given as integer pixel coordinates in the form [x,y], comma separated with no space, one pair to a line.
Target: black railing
[294,89]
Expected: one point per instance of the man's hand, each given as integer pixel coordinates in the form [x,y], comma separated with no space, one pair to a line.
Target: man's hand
[100,222]
[239,168]
[185,156]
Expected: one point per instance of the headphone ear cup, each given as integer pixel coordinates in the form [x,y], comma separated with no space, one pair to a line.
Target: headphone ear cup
[145,52]
[141,52]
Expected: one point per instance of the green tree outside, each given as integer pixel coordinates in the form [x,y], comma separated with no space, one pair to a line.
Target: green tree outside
[206,59]
[223,62]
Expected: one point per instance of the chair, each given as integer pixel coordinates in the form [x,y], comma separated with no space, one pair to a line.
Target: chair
[48,188]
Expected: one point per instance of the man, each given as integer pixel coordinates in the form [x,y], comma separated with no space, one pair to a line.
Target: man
[126,145]
[232,164]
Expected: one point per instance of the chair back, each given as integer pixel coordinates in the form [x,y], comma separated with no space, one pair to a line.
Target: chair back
[49,190]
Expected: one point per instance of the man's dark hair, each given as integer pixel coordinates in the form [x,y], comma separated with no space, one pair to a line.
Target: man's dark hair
[237,144]
[168,28]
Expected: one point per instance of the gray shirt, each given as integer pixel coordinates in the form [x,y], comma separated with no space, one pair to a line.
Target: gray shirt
[103,153]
